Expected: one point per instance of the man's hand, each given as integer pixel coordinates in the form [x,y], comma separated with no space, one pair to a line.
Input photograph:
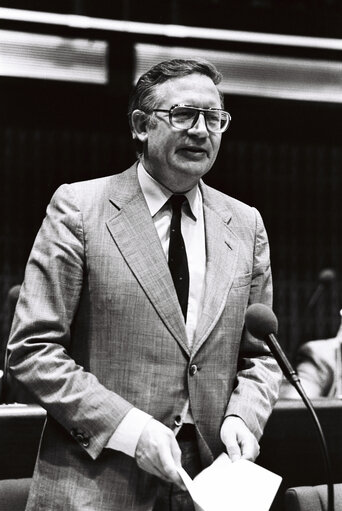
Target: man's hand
[238,439]
[158,452]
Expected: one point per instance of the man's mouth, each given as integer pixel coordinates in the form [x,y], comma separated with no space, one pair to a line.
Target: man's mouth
[193,151]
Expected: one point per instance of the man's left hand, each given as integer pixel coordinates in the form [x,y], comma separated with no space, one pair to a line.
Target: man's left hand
[238,439]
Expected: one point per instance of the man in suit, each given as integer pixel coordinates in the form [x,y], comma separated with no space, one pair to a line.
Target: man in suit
[319,366]
[130,331]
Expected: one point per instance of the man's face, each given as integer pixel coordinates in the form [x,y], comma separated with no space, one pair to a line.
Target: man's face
[179,158]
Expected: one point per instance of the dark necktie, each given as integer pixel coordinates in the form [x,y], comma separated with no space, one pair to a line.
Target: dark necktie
[178,261]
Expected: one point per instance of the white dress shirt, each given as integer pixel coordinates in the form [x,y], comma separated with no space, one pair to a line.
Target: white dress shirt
[126,436]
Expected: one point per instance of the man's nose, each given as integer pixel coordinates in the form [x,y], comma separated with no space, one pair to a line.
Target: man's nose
[200,127]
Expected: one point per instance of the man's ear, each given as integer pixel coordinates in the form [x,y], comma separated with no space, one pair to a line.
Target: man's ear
[139,125]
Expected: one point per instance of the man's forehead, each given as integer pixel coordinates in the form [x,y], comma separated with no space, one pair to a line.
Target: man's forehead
[187,88]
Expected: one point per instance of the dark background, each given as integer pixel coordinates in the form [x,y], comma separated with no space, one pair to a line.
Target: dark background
[284,157]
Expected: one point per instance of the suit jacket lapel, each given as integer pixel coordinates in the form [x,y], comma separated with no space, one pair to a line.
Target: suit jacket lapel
[133,231]
[222,248]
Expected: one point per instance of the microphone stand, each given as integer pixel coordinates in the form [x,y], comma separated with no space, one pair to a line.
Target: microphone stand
[315,296]
[293,378]
[261,322]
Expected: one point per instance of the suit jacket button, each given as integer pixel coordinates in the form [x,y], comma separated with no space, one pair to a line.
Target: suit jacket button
[82,439]
[193,369]
[178,420]
[85,442]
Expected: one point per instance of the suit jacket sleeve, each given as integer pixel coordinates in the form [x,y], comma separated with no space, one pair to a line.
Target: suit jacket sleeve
[258,376]
[41,340]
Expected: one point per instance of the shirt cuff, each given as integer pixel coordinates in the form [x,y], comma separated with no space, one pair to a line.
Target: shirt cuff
[127,434]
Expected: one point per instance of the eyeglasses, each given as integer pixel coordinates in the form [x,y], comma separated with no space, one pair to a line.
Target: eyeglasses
[184,117]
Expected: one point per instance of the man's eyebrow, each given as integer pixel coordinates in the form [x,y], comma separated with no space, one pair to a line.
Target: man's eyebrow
[200,107]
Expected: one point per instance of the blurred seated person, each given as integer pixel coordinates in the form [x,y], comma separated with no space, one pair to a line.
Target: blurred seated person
[1,385]
[319,367]
[6,321]
[11,391]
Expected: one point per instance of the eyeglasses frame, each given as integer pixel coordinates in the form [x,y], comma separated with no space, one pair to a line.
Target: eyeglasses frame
[199,110]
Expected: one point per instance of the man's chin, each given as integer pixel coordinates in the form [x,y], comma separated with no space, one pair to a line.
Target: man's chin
[189,176]
[196,168]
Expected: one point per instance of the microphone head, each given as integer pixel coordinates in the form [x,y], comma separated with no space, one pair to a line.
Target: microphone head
[13,293]
[261,321]
[326,276]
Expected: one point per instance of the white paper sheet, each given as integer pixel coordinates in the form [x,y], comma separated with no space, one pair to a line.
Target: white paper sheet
[227,486]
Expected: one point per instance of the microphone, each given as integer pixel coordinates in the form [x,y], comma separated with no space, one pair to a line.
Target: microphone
[13,295]
[262,323]
[325,277]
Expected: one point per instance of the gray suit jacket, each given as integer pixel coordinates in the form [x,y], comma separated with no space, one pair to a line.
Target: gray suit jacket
[98,329]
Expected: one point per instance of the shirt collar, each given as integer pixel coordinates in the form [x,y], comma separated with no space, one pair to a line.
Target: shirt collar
[156,195]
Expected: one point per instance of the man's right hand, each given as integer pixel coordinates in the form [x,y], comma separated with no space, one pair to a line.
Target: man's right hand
[158,452]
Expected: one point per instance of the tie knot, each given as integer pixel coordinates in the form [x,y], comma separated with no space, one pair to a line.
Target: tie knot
[177,201]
